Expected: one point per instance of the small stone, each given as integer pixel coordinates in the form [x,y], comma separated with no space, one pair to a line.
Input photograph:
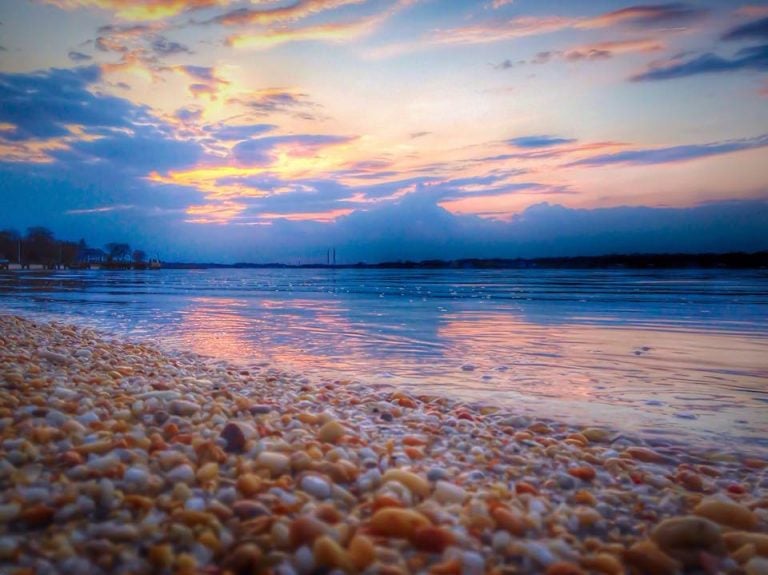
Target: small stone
[234,438]
[208,472]
[277,463]
[304,530]
[330,554]
[316,486]
[246,558]
[246,509]
[415,483]
[472,563]
[9,512]
[583,472]
[361,551]
[181,474]
[432,539]
[683,538]
[248,484]
[727,513]
[183,407]
[331,432]
[446,492]
[136,476]
[646,557]
[596,434]
[396,522]
[564,568]
[37,516]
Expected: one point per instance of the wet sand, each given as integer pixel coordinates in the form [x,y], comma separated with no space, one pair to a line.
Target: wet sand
[118,458]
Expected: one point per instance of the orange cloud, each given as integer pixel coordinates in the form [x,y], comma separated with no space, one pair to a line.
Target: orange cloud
[609,49]
[139,10]
[326,216]
[334,32]
[296,11]
[215,213]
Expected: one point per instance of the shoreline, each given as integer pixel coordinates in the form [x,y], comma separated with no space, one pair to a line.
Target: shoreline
[122,458]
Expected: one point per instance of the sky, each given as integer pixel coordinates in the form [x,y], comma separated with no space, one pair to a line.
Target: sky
[275,130]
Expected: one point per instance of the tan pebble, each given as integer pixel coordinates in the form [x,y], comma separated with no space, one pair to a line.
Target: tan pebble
[277,463]
[564,568]
[736,539]
[683,538]
[207,472]
[330,554]
[161,556]
[509,521]
[183,407]
[584,497]
[727,513]
[395,522]
[417,484]
[646,455]
[757,566]
[584,472]
[603,563]
[596,434]
[186,563]
[304,531]
[361,551]
[587,516]
[744,553]
[249,484]
[648,559]
[540,428]
[331,432]
[99,447]
[192,518]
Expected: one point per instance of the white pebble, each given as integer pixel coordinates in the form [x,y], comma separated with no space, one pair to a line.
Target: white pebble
[277,463]
[446,492]
[472,563]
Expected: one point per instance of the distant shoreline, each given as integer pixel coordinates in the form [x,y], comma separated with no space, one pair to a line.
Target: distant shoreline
[730,260]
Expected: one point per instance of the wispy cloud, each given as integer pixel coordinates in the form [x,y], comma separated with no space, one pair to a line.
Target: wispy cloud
[674,154]
[648,16]
[751,58]
[541,141]
[276,100]
[290,13]
[78,56]
[99,210]
[757,29]
[138,10]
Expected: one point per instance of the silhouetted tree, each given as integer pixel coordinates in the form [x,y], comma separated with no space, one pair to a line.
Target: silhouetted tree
[9,245]
[40,246]
[118,252]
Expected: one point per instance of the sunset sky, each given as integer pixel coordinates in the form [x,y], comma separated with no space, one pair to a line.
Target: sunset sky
[272,130]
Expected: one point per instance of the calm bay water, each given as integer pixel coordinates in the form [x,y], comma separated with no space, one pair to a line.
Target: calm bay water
[672,355]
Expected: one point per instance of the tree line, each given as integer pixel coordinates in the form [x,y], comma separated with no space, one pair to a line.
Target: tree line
[40,246]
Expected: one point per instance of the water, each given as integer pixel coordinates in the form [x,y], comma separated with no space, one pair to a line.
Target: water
[670,355]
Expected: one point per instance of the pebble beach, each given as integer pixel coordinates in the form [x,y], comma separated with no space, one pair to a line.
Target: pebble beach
[116,457]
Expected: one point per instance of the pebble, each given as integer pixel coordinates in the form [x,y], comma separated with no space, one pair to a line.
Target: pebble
[234,438]
[316,486]
[446,492]
[183,407]
[276,463]
[727,513]
[181,474]
[331,432]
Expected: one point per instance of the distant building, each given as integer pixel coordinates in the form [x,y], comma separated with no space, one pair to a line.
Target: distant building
[92,256]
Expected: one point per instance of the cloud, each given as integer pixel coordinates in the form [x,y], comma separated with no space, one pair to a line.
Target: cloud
[241,132]
[45,104]
[539,141]
[757,29]
[674,154]
[138,10]
[750,58]
[164,47]
[260,150]
[297,10]
[279,101]
[496,4]
[648,16]
[78,56]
